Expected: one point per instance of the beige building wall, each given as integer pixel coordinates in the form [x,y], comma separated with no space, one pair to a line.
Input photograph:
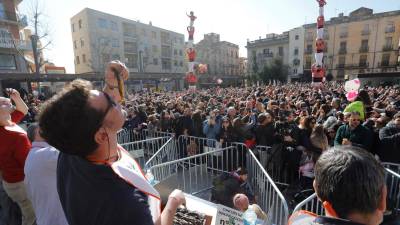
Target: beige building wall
[142,47]
[262,51]
[362,42]
[222,57]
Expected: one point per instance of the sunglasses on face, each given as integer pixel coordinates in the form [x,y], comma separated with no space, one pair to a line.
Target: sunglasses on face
[110,103]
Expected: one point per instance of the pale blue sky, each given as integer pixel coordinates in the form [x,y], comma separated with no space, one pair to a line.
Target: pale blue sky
[234,20]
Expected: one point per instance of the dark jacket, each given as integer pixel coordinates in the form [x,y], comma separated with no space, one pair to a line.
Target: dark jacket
[265,134]
[389,148]
[361,136]
[94,194]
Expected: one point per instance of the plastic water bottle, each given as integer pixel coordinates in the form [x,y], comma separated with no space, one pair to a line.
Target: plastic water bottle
[249,217]
[150,178]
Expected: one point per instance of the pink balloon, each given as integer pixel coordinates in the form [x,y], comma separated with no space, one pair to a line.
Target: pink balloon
[352,95]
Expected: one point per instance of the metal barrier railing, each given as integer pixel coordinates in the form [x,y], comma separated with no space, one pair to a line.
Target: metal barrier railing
[269,197]
[167,152]
[131,135]
[192,174]
[392,166]
[313,205]
[189,145]
[393,190]
[274,163]
[144,149]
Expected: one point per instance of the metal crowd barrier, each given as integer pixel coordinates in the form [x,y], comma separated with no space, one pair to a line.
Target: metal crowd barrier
[193,174]
[144,149]
[131,135]
[274,165]
[189,145]
[167,152]
[312,203]
[268,194]
[392,166]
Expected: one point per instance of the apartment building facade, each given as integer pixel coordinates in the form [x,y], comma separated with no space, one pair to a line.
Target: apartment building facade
[221,57]
[99,37]
[261,52]
[362,42]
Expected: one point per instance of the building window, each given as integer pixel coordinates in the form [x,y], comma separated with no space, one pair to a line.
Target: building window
[296,51]
[116,57]
[7,62]
[144,32]
[115,43]
[129,30]
[104,42]
[155,61]
[166,64]
[82,42]
[180,52]
[181,64]
[175,63]
[75,45]
[102,23]
[175,52]
[77,60]
[342,61]
[344,32]
[166,51]
[309,49]
[365,30]
[266,51]
[388,41]
[363,60]
[294,71]
[73,27]
[105,58]
[83,58]
[114,26]
[130,47]
[343,47]
[296,37]
[364,46]
[155,49]
[154,35]
[80,24]
[131,60]
[390,28]
[385,59]
[165,39]
[280,51]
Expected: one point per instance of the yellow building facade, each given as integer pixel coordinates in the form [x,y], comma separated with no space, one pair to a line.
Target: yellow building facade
[362,42]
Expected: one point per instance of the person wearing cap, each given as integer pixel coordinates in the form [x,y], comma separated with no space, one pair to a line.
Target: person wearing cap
[14,148]
[354,133]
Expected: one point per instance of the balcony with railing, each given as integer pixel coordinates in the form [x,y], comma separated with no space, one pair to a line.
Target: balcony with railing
[387,64]
[390,29]
[9,43]
[308,51]
[8,16]
[360,65]
[268,54]
[344,35]
[387,48]
[365,32]
[340,66]
[364,49]
[342,51]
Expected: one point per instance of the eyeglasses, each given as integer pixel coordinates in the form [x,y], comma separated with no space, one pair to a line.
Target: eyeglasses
[110,104]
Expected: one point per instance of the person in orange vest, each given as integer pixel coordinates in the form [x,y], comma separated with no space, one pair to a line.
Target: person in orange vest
[350,183]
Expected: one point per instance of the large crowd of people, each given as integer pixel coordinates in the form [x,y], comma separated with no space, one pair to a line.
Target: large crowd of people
[74,151]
